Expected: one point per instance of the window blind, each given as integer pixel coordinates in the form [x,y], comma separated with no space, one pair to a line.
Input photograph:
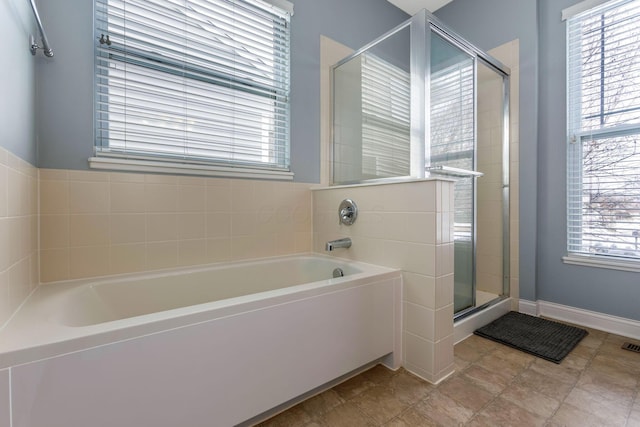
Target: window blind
[202,82]
[386,99]
[603,117]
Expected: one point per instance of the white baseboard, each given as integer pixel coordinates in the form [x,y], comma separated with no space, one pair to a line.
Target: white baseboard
[528,307]
[578,316]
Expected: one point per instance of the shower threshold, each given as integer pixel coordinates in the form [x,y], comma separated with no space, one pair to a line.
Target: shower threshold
[483,303]
[465,323]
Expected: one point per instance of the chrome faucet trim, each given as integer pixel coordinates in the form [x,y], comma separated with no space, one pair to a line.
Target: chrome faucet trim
[340,243]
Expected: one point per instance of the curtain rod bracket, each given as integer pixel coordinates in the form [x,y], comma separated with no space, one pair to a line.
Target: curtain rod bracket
[33,46]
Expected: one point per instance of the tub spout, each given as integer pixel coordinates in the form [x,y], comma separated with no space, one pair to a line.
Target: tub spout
[340,243]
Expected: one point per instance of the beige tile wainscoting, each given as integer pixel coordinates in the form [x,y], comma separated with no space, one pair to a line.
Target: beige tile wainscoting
[100,223]
[18,232]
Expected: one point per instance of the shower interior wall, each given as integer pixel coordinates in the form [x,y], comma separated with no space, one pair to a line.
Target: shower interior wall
[489,271]
[489,256]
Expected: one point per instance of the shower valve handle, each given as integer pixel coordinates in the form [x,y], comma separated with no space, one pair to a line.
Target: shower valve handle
[347,212]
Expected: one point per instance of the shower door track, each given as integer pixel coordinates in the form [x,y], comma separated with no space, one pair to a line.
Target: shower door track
[472,310]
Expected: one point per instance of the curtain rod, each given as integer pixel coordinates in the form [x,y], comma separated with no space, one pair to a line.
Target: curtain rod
[48,52]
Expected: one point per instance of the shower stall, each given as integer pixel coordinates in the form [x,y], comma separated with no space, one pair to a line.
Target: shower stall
[421,102]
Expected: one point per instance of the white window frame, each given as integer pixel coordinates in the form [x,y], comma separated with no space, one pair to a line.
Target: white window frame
[117,154]
[577,253]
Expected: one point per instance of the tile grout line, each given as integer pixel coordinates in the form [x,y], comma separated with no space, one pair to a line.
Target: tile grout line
[510,383]
[465,369]
[317,417]
[367,416]
[413,405]
[582,371]
[636,398]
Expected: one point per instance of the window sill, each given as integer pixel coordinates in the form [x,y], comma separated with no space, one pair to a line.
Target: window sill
[149,166]
[601,262]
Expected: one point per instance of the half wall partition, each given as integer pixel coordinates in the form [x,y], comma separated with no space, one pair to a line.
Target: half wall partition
[421,101]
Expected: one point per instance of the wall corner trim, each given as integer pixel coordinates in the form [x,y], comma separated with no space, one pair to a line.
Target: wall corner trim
[604,322]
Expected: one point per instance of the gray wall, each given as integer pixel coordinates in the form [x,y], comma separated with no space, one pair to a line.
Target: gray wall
[488,24]
[65,100]
[17,81]
[65,86]
[543,226]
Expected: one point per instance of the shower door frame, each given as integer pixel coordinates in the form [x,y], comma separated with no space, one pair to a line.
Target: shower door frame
[505,190]
[433,25]
[421,26]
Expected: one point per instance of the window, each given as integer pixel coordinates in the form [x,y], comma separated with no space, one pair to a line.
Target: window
[603,94]
[193,86]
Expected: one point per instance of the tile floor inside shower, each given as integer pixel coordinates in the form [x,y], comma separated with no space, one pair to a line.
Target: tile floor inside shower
[483,297]
[597,384]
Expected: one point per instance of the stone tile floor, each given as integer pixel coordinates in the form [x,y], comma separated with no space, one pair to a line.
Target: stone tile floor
[597,384]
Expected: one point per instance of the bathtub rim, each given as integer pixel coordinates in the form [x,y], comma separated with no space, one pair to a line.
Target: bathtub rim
[32,335]
[106,281]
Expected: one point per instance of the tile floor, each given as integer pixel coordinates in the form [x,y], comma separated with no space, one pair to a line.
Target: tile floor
[598,384]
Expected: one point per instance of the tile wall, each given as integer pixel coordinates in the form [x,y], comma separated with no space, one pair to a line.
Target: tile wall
[489,232]
[330,53]
[18,232]
[100,223]
[406,226]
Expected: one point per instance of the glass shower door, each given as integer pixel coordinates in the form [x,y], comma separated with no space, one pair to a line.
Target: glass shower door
[452,152]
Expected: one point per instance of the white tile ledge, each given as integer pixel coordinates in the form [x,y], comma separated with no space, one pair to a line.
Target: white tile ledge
[385,181]
[602,262]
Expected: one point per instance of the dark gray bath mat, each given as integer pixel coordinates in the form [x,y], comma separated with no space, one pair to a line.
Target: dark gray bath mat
[543,338]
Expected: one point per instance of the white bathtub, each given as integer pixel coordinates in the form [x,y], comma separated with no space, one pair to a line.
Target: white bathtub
[211,346]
